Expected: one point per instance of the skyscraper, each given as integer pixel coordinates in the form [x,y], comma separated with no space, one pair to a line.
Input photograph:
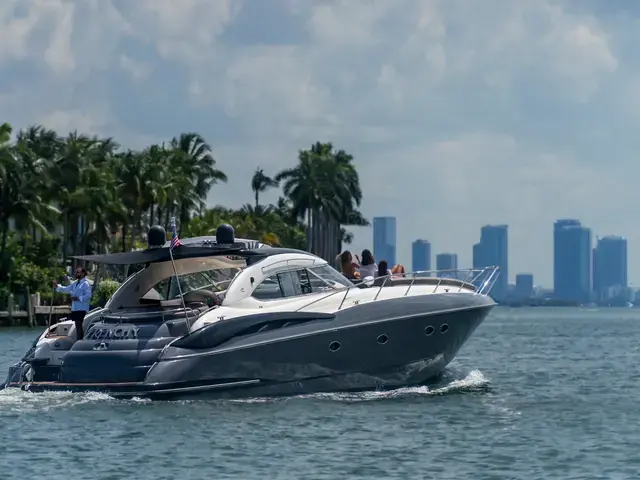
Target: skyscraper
[524,286]
[610,267]
[493,250]
[446,261]
[420,256]
[572,257]
[384,239]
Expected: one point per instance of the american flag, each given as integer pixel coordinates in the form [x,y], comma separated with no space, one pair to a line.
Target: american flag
[175,241]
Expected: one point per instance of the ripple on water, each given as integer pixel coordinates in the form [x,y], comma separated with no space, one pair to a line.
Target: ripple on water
[291,422]
[561,403]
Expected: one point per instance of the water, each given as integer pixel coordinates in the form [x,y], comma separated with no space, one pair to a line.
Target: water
[535,393]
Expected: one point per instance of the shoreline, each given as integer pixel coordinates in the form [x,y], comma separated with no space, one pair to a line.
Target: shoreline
[39,317]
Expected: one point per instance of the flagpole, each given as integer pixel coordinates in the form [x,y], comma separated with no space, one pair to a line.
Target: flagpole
[175,271]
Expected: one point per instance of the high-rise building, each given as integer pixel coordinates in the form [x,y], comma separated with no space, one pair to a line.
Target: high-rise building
[446,261]
[610,267]
[493,250]
[572,257]
[384,239]
[421,256]
[524,286]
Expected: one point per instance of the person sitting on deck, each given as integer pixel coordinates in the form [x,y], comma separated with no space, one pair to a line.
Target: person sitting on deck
[398,270]
[80,291]
[346,266]
[368,267]
[383,269]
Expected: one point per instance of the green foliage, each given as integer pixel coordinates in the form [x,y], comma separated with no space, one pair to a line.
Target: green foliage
[33,266]
[97,197]
[106,288]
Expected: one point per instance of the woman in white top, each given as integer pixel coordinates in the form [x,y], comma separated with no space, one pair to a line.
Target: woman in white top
[368,267]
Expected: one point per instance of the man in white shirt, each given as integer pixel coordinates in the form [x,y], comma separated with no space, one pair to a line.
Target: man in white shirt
[80,292]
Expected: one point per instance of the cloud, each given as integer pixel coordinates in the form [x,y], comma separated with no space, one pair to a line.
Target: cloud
[459,113]
[64,121]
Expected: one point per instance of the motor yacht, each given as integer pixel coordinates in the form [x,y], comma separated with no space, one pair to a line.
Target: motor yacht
[231,318]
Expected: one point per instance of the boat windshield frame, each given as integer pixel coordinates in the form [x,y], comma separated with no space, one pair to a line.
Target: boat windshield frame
[338,278]
[169,290]
[173,292]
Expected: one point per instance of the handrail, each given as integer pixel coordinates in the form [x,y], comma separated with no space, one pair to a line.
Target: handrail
[472,276]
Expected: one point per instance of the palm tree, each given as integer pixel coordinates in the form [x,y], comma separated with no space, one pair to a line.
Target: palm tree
[100,197]
[5,133]
[193,157]
[21,179]
[260,183]
[325,188]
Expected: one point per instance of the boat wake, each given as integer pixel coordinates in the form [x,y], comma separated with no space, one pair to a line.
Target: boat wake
[449,382]
[15,402]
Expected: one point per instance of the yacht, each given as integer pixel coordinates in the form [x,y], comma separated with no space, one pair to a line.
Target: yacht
[231,318]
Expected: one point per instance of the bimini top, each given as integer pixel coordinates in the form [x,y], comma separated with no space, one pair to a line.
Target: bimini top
[224,243]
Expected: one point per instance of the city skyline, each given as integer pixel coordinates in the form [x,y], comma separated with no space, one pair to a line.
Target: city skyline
[542,271]
[458,114]
[585,267]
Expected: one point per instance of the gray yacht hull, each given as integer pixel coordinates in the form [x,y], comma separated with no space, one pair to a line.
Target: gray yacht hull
[380,345]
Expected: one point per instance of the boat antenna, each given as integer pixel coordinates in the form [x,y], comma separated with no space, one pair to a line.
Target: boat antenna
[175,242]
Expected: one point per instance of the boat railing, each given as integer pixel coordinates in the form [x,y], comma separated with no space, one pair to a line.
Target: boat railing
[480,280]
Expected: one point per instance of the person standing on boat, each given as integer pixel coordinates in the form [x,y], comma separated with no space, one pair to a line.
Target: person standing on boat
[80,292]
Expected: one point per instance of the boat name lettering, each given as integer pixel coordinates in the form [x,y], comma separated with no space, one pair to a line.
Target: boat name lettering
[123,333]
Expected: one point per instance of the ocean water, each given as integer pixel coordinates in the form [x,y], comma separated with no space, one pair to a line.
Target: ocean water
[535,393]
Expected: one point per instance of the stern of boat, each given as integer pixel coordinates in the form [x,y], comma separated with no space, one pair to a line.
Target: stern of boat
[22,371]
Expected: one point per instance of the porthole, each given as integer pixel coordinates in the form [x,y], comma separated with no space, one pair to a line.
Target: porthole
[444,327]
[382,339]
[429,330]
[334,346]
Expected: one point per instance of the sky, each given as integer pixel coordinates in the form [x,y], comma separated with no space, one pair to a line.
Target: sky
[459,113]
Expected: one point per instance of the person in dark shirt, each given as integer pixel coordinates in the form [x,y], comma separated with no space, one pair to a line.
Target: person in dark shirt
[383,269]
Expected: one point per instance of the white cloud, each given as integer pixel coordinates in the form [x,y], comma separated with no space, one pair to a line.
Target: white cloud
[347,25]
[71,120]
[14,30]
[137,69]
[184,31]
[459,113]
[59,55]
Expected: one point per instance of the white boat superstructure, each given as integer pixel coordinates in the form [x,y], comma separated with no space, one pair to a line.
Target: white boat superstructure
[295,282]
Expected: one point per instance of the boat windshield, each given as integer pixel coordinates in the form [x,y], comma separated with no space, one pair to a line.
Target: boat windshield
[326,275]
[214,280]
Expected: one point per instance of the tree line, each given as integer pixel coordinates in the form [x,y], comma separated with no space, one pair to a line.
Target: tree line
[78,194]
